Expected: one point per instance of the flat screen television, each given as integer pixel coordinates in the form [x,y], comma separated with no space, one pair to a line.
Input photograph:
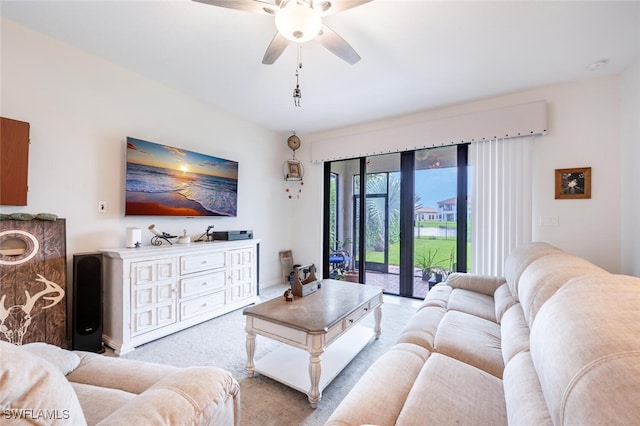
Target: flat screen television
[162,180]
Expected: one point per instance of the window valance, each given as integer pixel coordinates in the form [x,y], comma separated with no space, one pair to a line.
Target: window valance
[512,121]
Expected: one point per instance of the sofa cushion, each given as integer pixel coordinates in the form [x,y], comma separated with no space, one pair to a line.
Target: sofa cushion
[523,394]
[472,303]
[421,328]
[515,333]
[477,283]
[34,390]
[470,339]
[503,300]
[438,297]
[197,395]
[585,346]
[379,395]
[520,258]
[544,276]
[98,403]
[448,391]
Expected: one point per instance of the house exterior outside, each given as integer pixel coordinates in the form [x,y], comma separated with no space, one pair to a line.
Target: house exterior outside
[426,213]
[447,210]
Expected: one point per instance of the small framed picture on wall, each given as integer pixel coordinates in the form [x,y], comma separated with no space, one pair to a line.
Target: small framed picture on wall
[293,170]
[573,183]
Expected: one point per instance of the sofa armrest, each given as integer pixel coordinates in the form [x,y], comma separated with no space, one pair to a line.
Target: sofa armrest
[193,395]
[124,374]
[479,283]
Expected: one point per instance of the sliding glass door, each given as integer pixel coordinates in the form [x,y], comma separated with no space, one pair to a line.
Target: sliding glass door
[413,232]
[381,227]
[341,235]
[436,220]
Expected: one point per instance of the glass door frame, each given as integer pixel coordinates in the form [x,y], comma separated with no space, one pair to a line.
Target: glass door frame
[373,266]
[407,217]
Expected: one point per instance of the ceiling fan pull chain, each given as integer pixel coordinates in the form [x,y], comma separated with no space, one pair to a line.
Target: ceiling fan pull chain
[297,93]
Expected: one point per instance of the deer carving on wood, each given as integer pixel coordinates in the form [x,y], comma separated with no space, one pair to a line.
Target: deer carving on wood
[16,319]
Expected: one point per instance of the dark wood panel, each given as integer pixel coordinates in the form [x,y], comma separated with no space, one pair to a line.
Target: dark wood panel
[40,271]
[14,162]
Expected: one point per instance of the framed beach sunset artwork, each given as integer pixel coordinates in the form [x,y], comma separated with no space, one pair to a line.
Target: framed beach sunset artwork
[162,180]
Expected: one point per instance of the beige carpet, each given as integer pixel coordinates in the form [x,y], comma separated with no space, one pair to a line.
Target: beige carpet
[221,342]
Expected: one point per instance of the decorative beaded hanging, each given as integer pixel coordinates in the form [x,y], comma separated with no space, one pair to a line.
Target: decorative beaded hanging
[297,92]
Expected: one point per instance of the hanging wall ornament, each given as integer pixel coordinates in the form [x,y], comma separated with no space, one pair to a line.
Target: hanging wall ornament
[292,170]
[297,92]
[294,143]
[293,189]
[293,173]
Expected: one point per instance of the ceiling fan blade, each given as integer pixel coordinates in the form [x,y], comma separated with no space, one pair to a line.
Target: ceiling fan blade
[336,45]
[330,7]
[275,49]
[253,6]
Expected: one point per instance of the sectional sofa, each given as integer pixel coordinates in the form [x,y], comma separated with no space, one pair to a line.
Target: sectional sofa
[44,384]
[556,341]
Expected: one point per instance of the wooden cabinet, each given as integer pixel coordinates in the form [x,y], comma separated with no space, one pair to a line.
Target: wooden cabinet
[14,162]
[151,292]
[33,276]
[242,274]
[153,287]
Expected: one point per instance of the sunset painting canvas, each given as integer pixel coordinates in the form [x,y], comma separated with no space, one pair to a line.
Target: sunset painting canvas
[167,181]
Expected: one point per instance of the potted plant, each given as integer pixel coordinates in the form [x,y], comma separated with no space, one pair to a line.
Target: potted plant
[430,266]
[352,276]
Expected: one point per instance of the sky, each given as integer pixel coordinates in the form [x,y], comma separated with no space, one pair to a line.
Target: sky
[169,157]
[433,185]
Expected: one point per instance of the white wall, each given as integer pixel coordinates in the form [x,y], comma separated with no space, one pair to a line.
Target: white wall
[630,137]
[584,131]
[82,108]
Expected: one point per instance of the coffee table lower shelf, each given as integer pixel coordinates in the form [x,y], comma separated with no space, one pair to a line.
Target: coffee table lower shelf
[290,365]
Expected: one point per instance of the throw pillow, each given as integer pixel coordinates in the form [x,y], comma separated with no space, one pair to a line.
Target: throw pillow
[34,391]
[65,361]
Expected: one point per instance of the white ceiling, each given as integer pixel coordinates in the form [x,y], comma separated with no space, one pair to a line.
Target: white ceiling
[416,54]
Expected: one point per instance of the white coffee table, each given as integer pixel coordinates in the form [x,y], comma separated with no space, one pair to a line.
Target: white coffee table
[320,331]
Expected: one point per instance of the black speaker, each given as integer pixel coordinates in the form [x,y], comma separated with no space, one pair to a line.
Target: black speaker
[87,302]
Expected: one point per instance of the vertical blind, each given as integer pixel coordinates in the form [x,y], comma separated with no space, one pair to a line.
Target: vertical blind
[501,176]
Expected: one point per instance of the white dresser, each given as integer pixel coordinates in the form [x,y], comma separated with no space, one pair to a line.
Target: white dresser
[150,292]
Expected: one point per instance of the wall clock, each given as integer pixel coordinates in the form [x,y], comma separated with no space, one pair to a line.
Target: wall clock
[293,142]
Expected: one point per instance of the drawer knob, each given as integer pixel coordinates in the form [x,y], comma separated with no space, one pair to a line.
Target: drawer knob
[366,309]
[351,321]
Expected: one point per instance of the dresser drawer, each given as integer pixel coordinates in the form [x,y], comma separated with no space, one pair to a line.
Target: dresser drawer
[202,283]
[356,316]
[342,326]
[202,262]
[202,305]
[152,271]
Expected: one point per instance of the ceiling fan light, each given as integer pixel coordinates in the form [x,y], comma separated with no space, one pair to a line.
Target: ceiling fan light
[298,22]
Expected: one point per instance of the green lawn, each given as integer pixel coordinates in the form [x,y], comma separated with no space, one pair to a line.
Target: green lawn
[445,249]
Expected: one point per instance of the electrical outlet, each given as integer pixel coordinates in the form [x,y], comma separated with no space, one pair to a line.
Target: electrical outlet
[102,206]
[549,220]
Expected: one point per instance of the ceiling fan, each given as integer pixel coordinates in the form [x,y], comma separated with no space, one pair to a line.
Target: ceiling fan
[298,21]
